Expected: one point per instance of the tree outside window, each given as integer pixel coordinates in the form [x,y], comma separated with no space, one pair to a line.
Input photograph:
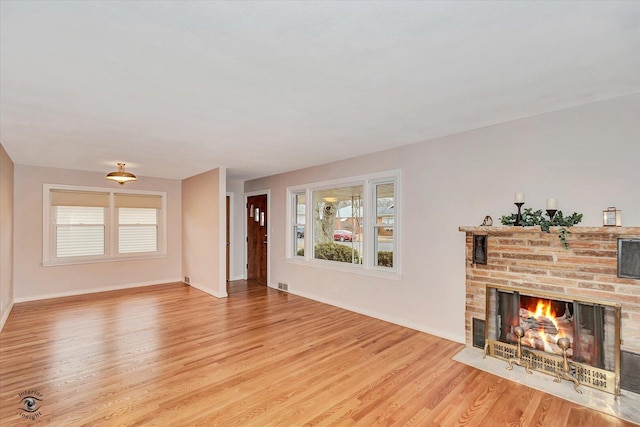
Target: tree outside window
[337,224]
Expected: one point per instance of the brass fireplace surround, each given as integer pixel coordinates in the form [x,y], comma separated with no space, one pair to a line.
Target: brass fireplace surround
[551,364]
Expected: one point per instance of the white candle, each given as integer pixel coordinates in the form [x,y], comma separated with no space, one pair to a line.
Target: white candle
[552,203]
[519,197]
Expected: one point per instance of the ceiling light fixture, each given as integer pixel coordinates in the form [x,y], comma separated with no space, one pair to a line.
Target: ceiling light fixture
[121,176]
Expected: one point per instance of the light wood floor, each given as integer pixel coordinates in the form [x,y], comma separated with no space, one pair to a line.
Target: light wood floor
[174,356]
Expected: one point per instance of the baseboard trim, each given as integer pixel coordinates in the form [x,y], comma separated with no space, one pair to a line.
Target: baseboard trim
[96,290]
[5,315]
[377,315]
[208,291]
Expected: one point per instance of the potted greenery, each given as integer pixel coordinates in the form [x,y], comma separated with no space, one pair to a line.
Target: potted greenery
[531,218]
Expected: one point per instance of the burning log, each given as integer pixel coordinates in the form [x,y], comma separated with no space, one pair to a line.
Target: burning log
[542,329]
[540,323]
[542,332]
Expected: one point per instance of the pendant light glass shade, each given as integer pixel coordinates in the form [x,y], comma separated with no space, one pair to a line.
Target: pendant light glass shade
[121,176]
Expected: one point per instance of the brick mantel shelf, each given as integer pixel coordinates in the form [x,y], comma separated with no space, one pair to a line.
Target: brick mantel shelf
[536,229]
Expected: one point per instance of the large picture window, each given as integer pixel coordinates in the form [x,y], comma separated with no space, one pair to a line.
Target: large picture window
[350,222]
[337,224]
[93,225]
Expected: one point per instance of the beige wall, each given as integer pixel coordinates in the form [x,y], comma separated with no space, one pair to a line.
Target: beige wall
[6,235]
[238,247]
[33,281]
[586,157]
[203,231]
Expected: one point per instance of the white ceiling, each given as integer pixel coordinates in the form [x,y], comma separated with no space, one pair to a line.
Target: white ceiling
[178,88]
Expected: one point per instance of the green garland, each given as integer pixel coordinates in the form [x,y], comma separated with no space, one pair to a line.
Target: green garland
[532,218]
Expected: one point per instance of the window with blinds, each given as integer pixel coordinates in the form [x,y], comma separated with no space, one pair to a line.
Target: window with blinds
[79,222]
[137,222]
[89,225]
[79,231]
[137,230]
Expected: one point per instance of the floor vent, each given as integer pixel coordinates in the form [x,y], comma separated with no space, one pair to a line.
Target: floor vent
[187,279]
[283,286]
[478,333]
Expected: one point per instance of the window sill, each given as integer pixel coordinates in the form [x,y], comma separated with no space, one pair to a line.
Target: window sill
[347,268]
[59,262]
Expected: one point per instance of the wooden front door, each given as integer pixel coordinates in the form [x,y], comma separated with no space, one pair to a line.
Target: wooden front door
[257,218]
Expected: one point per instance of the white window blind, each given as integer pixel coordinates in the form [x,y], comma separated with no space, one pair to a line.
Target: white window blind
[79,231]
[137,230]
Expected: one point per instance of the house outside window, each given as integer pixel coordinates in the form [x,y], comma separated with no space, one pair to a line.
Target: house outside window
[384,242]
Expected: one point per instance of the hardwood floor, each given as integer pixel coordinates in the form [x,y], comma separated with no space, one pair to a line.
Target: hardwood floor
[174,356]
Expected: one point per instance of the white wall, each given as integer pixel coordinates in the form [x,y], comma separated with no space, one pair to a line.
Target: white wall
[33,281]
[238,248]
[587,157]
[6,235]
[203,231]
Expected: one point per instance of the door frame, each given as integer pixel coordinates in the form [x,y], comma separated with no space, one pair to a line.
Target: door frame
[248,194]
[229,241]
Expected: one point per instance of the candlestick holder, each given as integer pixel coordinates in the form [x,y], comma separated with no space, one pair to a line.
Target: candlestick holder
[551,213]
[519,216]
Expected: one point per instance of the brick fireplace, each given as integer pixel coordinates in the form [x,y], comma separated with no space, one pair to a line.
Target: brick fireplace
[525,260]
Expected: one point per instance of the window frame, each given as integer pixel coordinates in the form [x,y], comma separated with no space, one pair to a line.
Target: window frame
[375,226]
[111,227]
[368,266]
[294,224]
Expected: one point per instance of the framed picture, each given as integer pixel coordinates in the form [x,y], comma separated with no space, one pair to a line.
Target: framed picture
[480,248]
[629,258]
[611,217]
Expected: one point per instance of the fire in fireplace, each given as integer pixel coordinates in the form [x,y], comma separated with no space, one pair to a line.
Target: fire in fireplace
[537,322]
[544,322]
